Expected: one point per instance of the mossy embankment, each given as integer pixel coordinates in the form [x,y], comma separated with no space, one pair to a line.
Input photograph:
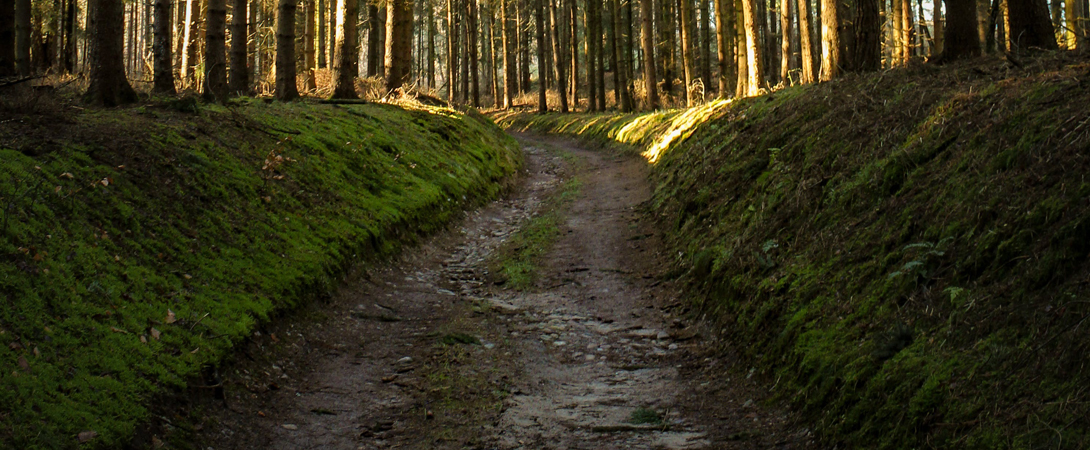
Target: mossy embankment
[141,244]
[903,255]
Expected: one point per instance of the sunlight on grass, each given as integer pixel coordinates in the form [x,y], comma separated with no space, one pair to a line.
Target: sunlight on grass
[683,126]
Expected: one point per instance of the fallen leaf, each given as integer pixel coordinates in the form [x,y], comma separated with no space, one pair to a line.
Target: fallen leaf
[87,436]
[67,175]
[23,364]
[143,339]
[261,413]
[105,182]
[57,189]
[170,317]
[155,334]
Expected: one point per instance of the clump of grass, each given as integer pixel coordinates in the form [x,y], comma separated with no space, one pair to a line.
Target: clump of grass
[459,338]
[516,263]
[645,416]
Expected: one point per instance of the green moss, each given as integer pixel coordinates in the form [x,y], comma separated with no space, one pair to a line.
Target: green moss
[137,253]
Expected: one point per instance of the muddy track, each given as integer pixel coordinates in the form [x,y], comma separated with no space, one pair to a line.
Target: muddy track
[430,352]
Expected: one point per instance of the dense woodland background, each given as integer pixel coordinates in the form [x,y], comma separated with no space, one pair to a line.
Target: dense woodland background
[488,52]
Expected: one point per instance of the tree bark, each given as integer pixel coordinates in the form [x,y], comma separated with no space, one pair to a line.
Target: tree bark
[310,53]
[616,46]
[785,42]
[399,40]
[560,46]
[239,81]
[647,41]
[542,66]
[163,82]
[724,35]
[452,51]
[666,44]
[184,55]
[22,37]
[215,52]
[962,39]
[471,27]
[286,89]
[573,41]
[1075,34]
[345,53]
[509,70]
[868,40]
[830,38]
[589,32]
[108,85]
[600,52]
[940,30]
[1030,25]
[704,57]
[375,30]
[497,99]
[755,73]
[7,38]
[686,7]
[805,46]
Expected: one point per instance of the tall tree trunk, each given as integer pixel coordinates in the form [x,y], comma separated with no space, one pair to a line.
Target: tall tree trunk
[105,25]
[868,41]
[573,41]
[667,44]
[322,41]
[1030,25]
[463,78]
[940,30]
[589,32]
[7,38]
[785,42]
[647,41]
[629,56]
[497,100]
[614,54]
[559,47]
[962,39]
[724,35]
[186,52]
[1074,15]
[471,26]
[399,41]
[310,53]
[524,45]
[687,38]
[346,55]
[906,30]
[70,36]
[483,16]
[600,52]
[509,70]
[753,49]
[805,46]
[741,86]
[22,37]
[452,51]
[830,38]
[286,89]
[375,29]
[542,66]
[163,82]
[896,35]
[215,52]
[239,81]
[705,46]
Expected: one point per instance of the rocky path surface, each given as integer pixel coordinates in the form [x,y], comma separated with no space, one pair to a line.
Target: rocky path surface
[433,351]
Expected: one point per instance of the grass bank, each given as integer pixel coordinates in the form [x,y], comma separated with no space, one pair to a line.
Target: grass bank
[904,255]
[141,244]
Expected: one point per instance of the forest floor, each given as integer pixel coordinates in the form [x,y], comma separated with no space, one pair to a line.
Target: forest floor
[435,350]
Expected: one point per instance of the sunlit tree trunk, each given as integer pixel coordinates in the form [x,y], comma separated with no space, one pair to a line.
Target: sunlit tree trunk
[1030,25]
[187,29]
[647,42]
[785,42]
[687,38]
[830,41]
[286,89]
[239,81]
[573,41]
[509,72]
[309,48]
[1074,15]
[805,46]
[906,31]
[345,54]
[107,83]
[163,78]
[755,73]
[741,53]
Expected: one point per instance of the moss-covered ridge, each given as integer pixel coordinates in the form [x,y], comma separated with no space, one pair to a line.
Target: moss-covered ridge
[139,245]
[903,254]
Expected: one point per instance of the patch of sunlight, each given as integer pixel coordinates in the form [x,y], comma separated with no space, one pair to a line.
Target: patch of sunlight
[682,127]
[635,130]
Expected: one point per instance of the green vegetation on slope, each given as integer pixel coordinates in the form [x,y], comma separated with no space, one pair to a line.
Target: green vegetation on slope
[140,244]
[904,254]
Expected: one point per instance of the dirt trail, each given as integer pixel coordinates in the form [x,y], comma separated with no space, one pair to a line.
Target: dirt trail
[428,352]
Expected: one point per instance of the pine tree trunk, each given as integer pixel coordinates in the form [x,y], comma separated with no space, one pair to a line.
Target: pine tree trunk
[186,52]
[940,30]
[345,54]
[1030,25]
[509,72]
[667,44]
[105,25]
[600,52]
[22,37]
[830,39]
[573,41]
[755,74]
[906,31]
[483,15]
[704,56]
[559,47]
[163,82]
[741,54]
[286,89]
[463,37]
[70,36]
[475,82]
[524,46]
[399,41]
[589,33]
[647,41]
[785,42]
[724,38]
[542,66]
[1073,15]
[687,38]
[962,39]
[497,99]
[614,54]
[374,42]
[215,52]
[629,56]
[7,38]
[868,41]
[309,48]
[239,81]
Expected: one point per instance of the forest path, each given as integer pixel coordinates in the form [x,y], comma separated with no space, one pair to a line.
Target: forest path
[432,351]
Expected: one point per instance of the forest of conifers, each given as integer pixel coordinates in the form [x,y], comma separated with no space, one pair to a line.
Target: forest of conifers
[488,52]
